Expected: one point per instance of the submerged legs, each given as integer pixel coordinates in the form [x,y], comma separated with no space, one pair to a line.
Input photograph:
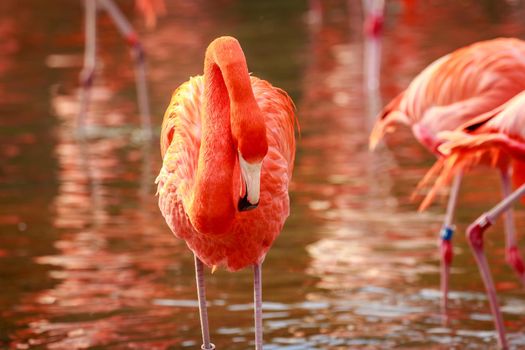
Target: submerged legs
[257,301]
[88,71]
[513,255]
[203,312]
[475,236]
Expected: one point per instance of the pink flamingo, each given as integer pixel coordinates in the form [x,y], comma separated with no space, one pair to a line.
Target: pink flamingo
[495,138]
[150,9]
[228,148]
[449,92]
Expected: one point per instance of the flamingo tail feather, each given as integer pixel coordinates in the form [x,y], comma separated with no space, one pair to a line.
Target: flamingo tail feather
[462,152]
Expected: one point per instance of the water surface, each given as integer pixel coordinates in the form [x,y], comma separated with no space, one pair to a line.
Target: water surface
[86,260]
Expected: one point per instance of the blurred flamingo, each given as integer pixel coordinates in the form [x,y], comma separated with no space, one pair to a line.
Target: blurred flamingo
[496,138]
[228,147]
[150,9]
[449,92]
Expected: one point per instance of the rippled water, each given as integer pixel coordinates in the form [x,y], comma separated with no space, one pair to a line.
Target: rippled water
[86,260]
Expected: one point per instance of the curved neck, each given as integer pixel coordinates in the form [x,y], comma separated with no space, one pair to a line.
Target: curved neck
[225,54]
[227,88]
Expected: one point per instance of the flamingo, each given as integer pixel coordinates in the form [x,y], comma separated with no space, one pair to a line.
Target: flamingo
[150,9]
[452,90]
[496,138]
[228,148]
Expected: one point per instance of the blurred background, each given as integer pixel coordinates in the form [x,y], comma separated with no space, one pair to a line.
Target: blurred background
[86,259]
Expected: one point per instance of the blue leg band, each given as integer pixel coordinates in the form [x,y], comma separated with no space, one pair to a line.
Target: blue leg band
[447,233]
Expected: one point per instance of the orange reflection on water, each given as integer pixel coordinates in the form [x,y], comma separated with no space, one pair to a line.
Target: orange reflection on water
[91,262]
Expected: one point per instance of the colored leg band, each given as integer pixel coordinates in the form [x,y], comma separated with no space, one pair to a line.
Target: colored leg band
[447,233]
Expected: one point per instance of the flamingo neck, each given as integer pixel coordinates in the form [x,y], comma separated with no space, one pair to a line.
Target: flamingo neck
[227,90]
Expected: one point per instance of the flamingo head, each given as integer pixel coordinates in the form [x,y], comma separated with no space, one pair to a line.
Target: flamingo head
[391,115]
[385,125]
[249,132]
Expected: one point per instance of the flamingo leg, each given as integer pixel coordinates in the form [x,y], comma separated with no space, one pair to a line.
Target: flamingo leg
[374,17]
[88,71]
[203,311]
[475,236]
[257,300]
[446,240]
[127,31]
[513,255]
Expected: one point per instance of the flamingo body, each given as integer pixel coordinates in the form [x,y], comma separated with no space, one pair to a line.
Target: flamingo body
[456,88]
[452,91]
[252,233]
[496,137]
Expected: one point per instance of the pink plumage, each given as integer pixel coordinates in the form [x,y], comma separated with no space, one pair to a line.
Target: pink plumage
[253,232]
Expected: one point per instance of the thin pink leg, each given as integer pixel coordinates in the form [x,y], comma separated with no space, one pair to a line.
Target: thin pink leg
[475,236]
[127,31]
[90,53]
[513,256]
[446,240]
[257,300]
[374,17]
[203,311]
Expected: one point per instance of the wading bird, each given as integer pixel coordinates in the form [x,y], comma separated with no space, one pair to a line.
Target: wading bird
[449,92]
[495,138]
[150,9]
[228,148]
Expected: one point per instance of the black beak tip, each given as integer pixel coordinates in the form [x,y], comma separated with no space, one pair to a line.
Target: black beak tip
[245,205]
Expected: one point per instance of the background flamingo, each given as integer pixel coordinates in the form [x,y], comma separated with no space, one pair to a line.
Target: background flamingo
[450,91]
[150,9]
[225,135]
[496,138]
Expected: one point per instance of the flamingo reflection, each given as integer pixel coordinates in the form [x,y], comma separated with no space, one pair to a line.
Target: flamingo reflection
[94,276]
[150,8]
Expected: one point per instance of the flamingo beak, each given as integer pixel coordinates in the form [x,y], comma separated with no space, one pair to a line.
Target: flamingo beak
[251,176]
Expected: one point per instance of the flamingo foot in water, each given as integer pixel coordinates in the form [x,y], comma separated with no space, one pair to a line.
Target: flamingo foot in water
[515,260]
[446,260]
[475,237]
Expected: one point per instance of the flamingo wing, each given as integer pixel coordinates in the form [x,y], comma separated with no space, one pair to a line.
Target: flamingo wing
[180,142]
[494,138]
[254,231]
[279,112]
[458,87]
[466,83]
